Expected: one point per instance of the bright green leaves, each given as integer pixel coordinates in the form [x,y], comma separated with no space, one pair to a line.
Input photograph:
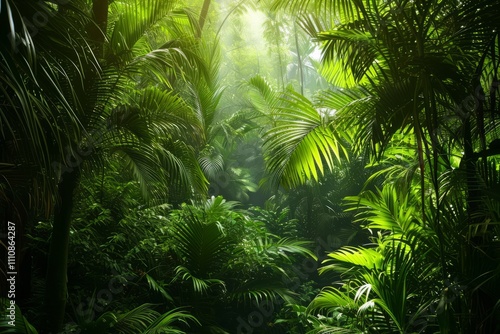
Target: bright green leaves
[262,95]
[361,257]
[302,141]
[382,282]
[134,20]
[142,319]
[145,131]
[348,56]
[300,145]
[387,210]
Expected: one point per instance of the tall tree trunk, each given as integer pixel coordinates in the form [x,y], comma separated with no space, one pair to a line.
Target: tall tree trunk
[57,262]
[97,29]
[484,299]
[299,59]
[203,16]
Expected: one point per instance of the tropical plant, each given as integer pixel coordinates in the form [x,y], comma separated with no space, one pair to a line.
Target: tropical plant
[13,320]
[227,258]
[305,67]
[385,287]
[141,130]
[142,319]
[115,114]
[115,259]
[223,128]
[405,69]
[405,86]
[35,75]
[301,141]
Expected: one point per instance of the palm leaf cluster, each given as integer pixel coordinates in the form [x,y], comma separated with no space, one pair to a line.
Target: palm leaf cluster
[385,286]
[302,142]
[142,319]
[409,89]
[39,116]
[226,257]
[398,79]
[114,115]
[73,82]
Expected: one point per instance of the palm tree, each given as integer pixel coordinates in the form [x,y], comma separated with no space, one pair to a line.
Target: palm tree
[227,260]
[34,79]
[414,65]
[145,131]
[91,79]
[418,70]
[38,117]
[223,128]
[385,287]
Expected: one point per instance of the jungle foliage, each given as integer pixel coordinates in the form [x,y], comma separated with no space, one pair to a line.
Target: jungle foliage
[319,166]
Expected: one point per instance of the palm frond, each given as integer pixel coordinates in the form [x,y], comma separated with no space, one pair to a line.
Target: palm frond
[353,49]
[347,258]
[263,96]
[14,321]
[332,300]
[163,324]
[134,20]
[295,247]
[142,319]
[41,73]
[343,8]
[387,210]
[256,291]
[157,287]
[211,162]
[202,245]
[143,161]
[301,144]
[200,285]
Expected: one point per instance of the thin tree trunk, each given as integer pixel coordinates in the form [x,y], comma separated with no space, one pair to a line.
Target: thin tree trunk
[97,29]
[299,59]
[203,16]
[57,263]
